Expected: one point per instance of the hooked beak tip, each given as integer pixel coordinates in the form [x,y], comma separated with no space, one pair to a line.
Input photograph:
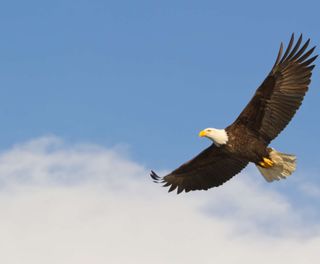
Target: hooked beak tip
[202,133]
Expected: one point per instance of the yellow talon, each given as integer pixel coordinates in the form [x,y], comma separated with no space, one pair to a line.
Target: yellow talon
[268,162]
[262,164]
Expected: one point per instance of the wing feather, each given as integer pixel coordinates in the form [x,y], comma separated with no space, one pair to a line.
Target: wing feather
[288,48]
[210,168]
[281,93]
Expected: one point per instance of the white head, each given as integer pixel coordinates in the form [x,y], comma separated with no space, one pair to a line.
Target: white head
[218,136]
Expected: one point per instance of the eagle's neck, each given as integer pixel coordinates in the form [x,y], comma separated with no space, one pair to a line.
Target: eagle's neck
[218,136]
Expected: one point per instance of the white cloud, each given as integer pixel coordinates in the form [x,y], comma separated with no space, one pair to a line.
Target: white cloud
[311,189]
[87,204]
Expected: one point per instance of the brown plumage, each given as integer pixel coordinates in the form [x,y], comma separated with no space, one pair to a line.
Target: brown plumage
[266,115]
[281,93]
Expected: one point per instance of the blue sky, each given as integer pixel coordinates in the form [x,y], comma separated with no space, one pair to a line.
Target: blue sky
[149,74]
[95,93]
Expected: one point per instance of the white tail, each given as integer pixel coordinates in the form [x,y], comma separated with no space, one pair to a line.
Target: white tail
[284,165]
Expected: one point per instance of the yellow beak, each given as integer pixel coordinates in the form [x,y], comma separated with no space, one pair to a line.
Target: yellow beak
[202,133]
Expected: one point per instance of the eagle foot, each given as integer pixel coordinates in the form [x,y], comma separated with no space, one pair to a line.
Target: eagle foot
[266,163]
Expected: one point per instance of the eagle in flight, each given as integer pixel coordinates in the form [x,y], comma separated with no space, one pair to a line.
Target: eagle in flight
[247,139]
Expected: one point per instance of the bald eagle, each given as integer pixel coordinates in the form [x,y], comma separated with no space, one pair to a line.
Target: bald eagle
[247,139]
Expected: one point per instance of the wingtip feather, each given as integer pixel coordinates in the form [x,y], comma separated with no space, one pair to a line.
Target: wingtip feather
[155,177]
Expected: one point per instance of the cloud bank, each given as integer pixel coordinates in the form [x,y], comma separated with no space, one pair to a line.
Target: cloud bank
[84,203]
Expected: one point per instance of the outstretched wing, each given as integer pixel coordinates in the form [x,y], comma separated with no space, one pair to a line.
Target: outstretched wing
[211,168]
[280,95]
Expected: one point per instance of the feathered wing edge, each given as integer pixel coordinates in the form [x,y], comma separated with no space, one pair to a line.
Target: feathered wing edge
[294,53]
[281,93]
[155,177]
[201,173]
[292,72]
[174,182]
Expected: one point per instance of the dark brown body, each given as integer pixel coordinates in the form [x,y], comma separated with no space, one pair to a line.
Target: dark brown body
[245,144]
